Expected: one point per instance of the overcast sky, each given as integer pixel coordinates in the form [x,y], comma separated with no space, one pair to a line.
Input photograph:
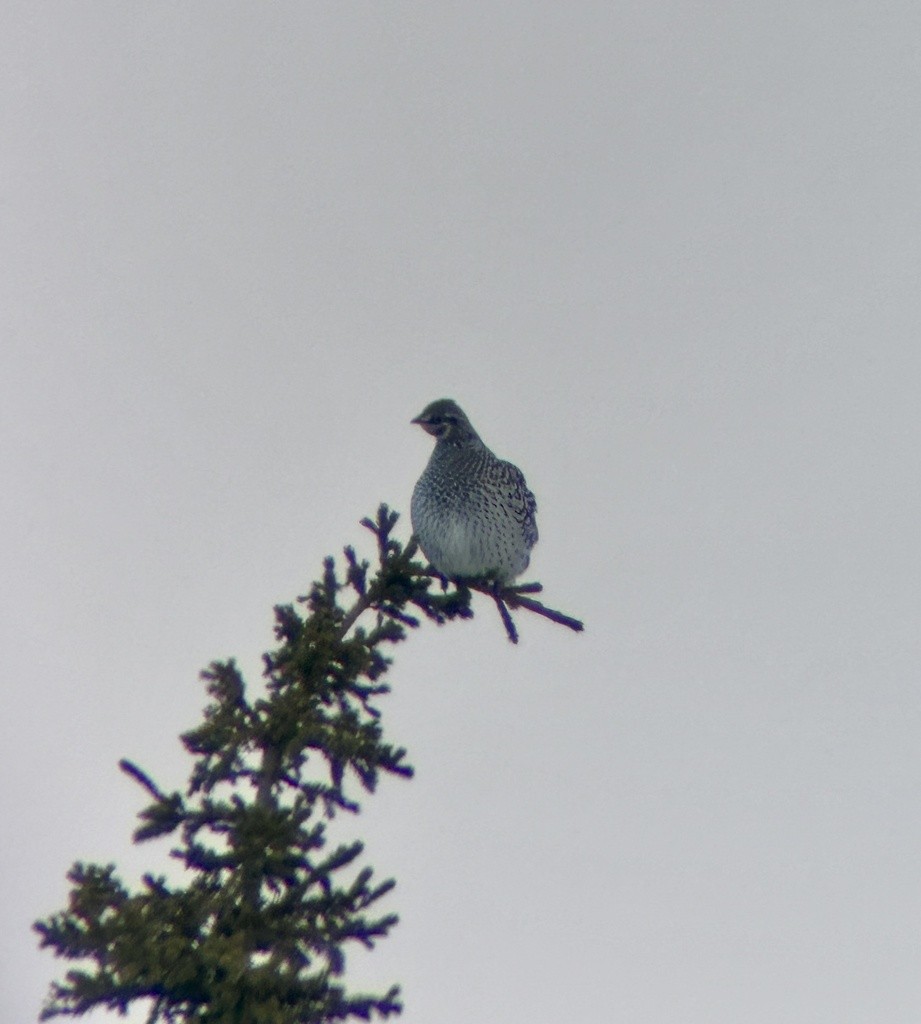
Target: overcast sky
[667,258]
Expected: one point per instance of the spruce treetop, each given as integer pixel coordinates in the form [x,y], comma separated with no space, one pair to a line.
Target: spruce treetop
[258,929]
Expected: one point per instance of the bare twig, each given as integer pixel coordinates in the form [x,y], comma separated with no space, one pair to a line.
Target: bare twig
[514,597]
[506,617]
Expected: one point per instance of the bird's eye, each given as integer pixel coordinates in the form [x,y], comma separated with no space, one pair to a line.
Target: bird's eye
[434,420]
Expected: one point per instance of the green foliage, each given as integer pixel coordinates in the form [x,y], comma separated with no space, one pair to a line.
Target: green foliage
[258,933]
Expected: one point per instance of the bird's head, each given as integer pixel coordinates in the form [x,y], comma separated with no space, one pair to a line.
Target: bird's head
[445,420]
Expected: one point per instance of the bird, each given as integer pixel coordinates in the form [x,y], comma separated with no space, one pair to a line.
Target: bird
[472,513]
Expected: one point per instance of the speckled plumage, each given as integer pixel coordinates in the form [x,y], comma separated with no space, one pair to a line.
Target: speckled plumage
[472,513]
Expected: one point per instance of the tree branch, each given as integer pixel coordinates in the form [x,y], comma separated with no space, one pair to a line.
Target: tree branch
[511,597]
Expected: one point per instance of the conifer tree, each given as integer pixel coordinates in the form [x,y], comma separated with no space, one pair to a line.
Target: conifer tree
[258,931]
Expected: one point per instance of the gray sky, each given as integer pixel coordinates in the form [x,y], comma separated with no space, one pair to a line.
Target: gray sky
[667,258]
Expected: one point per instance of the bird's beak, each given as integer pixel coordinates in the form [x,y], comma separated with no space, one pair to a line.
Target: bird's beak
[426,426]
